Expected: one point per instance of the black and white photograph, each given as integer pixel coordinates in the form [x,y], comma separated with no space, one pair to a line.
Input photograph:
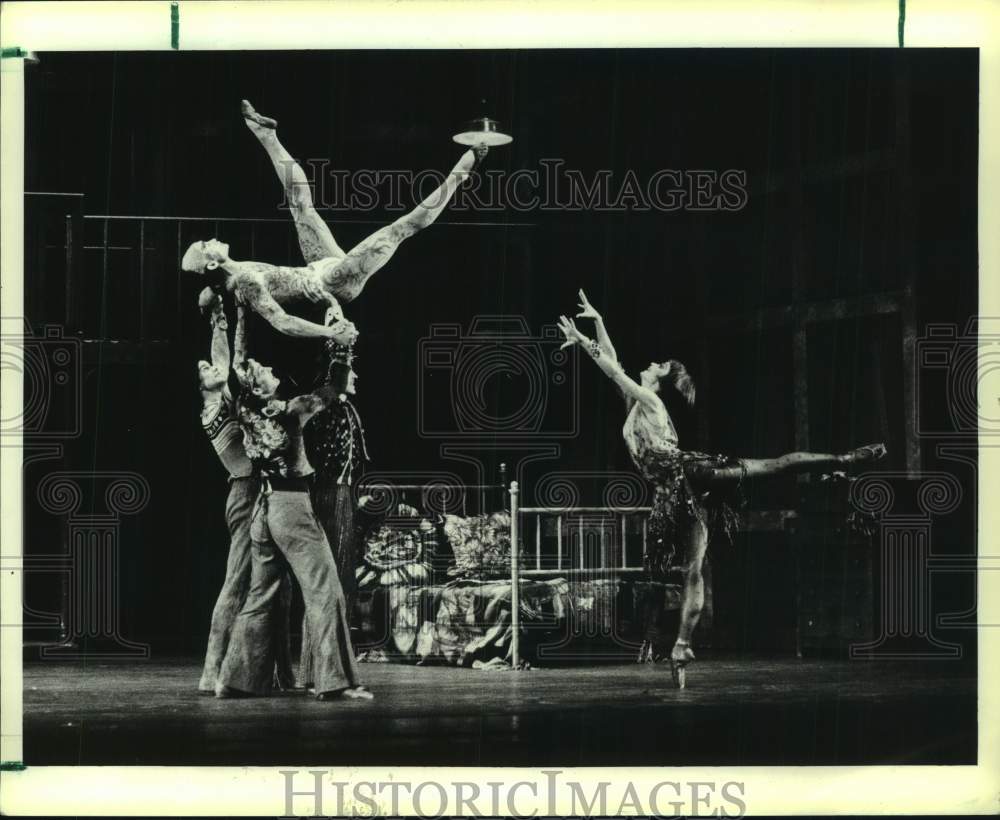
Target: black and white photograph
[607,407]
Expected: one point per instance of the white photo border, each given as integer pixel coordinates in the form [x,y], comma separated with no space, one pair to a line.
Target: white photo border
[383,24]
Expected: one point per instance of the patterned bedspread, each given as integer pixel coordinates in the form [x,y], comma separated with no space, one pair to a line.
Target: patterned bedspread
[408,611]
[468,623]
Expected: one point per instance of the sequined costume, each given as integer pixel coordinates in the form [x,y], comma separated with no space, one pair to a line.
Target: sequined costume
[335,442]
[681,495]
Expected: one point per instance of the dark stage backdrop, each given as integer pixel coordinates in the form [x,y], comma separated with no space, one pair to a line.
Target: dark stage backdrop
[860,180]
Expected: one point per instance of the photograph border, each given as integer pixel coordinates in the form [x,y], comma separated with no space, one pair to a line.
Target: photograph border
[380,24]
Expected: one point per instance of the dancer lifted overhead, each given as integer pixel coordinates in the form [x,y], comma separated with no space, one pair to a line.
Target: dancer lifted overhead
[695,493]
[330,274]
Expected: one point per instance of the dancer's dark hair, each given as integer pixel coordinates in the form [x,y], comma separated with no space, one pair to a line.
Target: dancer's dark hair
[679,378]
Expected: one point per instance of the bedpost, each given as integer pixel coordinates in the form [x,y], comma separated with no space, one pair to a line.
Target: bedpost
[515,582]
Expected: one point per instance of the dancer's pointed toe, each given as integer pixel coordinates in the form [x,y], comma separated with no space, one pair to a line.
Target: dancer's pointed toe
[868,453]
[253,118]
[680,656]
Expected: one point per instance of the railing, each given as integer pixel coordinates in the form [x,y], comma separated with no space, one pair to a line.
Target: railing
[122,276]
[435,496]
[152,248]
[586,520]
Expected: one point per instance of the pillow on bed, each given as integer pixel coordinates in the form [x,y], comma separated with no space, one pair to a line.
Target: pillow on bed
[397,552]
[480,543]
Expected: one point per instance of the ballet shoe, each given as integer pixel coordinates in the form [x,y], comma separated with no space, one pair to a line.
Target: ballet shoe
[480,151]
[870,452]
[251,116]
[228,693]
[680,656]
[351,693]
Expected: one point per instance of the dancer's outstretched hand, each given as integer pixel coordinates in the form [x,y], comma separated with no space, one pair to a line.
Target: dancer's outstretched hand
[587,310]
[573,336]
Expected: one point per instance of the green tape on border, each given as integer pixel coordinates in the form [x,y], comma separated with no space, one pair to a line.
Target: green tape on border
[11,766]
[13,52]
[902,20]
[175,25]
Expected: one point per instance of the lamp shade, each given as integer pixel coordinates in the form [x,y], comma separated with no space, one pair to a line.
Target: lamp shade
[482,131]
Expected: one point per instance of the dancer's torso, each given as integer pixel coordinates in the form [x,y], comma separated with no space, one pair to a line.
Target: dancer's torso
[336,443]
[648,430]
[223,430]
[285,284]
[288,285]
[273,441]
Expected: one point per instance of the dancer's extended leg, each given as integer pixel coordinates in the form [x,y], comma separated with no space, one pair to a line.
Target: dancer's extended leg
[788,463]
[315,238]
[346,279]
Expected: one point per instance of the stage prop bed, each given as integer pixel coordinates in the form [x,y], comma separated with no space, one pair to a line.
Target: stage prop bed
[439,587]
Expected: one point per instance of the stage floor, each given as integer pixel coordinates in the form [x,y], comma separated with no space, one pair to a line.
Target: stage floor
[745,711]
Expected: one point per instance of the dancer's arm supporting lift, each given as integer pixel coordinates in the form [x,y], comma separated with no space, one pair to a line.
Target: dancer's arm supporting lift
[220,338]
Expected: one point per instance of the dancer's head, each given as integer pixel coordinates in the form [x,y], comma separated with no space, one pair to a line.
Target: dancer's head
[340,374]
[210,378]
[261,381]
[671,372]
[205,256]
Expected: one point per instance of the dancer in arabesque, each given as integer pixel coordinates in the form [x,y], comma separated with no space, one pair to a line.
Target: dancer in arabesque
[696,494]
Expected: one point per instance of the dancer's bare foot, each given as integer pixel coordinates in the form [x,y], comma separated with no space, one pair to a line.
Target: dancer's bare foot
[870,452]
[257,123]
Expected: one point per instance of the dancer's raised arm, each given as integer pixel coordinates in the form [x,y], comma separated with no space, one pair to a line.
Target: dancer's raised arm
[240,341]
[588,311]
[630,388]
[220,338]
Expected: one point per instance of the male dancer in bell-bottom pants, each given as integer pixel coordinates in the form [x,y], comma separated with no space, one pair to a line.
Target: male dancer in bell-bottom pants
[218,419]
[284,534]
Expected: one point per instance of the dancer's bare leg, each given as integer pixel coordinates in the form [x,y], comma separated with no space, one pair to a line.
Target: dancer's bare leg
[347,279]
[315,238]
[788,463]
